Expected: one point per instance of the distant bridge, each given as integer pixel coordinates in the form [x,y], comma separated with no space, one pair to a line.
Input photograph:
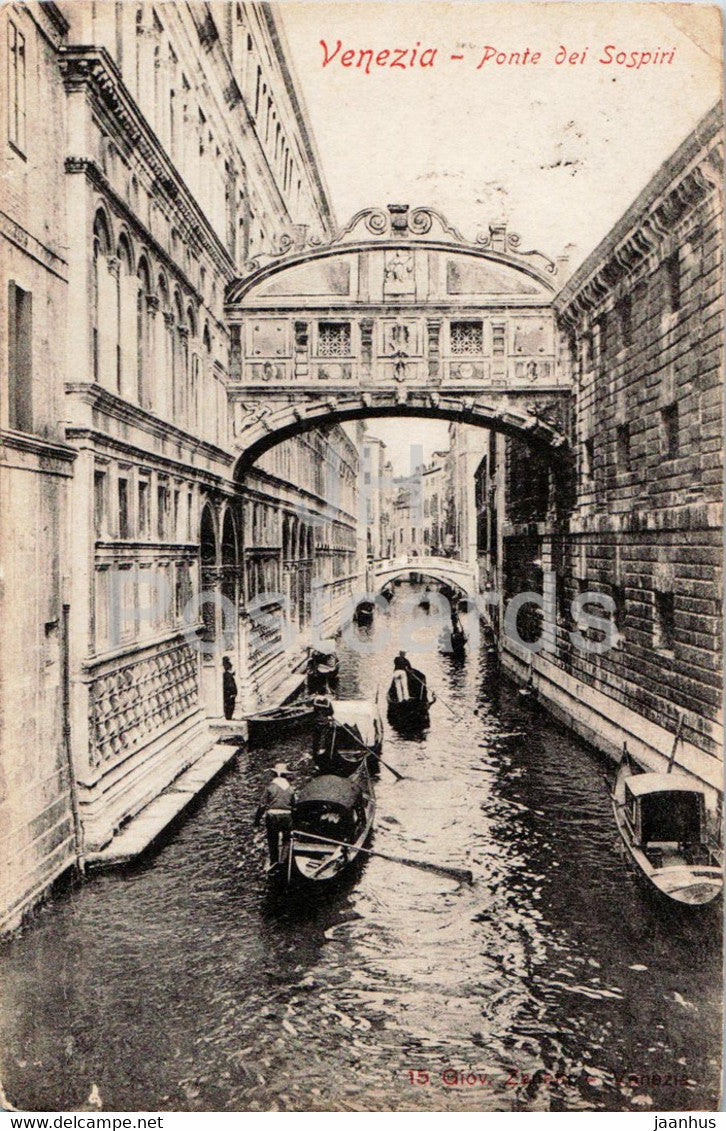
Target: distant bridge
[450,571]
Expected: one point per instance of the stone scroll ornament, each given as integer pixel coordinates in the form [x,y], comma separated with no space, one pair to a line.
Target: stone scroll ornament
[401,222]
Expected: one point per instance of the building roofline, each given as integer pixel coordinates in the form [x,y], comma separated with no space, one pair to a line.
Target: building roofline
[709,127]
[284,58]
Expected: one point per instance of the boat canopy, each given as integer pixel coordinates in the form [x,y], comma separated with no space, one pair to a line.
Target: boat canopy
[325,648]
[642,784]
[330,790]
[359,714]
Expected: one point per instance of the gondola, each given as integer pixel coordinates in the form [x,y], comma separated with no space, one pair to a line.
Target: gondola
[363,612]
[322,672]
[409,700]
[458,641]
[661,819]
[268,726]
[328,808]
[346,732]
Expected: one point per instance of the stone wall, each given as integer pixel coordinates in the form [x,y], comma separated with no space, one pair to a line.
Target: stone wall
[643,320]
[37,834]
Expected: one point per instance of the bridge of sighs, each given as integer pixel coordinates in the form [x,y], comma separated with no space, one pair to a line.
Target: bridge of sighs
[397,315]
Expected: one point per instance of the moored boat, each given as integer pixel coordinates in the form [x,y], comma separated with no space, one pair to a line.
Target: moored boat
[332,818]
[661,818]
[269,725]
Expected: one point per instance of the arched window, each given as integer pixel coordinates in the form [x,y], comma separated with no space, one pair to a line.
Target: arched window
[208,556]
[194,367]
[101,252]
[179,361]
[229,578]
[127,286]
[163,353]
[144,335]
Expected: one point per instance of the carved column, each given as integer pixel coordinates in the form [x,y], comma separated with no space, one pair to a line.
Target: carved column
[302,349]
[433,327]
[366,348]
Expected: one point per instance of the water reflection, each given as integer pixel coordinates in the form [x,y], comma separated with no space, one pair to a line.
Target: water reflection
[184,984]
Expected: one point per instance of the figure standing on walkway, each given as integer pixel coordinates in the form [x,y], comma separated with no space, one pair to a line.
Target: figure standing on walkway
[276,804]
[229,688]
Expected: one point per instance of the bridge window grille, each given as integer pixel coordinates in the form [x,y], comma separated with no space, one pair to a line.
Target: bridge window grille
[334,339]
[467,338]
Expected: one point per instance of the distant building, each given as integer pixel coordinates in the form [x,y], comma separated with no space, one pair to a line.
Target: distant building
[299,554]
[407,509]
[434,484]
[466,447]
[375,496]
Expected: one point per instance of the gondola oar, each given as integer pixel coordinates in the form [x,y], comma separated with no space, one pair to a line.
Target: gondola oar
[463,875]
[672,758]
[370,750]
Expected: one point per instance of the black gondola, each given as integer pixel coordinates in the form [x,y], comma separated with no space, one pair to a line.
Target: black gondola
[458,641]
[363,612]
[328,809]
[346,732]
[323,669]
[409,699]
[268,726]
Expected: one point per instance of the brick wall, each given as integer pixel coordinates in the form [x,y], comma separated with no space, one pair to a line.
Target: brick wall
[642,319]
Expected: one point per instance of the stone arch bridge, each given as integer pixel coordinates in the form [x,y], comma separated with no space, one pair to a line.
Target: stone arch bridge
[458,574]
[398,315]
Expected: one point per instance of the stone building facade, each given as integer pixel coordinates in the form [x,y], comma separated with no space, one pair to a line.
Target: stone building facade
[168,148]
[466,447]
[640,522]
[376,496]
[434,487]
[37,836]
[302,567]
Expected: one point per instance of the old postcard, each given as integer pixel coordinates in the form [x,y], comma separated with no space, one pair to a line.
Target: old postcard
[360,548]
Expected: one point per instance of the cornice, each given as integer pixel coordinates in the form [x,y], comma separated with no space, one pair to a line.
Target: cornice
[93,70]
[32,246]
[312,158]
[56,17]
[98,397]
[26,442]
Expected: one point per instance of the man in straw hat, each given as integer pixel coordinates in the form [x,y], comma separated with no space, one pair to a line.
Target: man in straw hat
[275,803]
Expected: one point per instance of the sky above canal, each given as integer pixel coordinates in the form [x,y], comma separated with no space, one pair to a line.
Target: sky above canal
[558,150]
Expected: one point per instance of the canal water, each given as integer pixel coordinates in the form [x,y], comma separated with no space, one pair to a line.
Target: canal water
[554,982]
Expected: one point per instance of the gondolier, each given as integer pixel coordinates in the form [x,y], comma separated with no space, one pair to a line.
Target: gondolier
[275,803]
